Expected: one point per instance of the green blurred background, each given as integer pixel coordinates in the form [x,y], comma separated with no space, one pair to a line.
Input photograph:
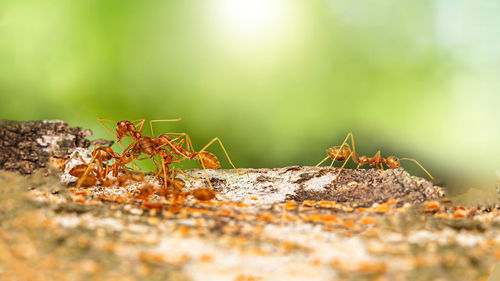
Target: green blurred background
[279,81]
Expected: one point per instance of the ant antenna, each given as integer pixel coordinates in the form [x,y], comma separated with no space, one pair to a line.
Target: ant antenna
[111,132]
[416,162]
[168,120]
[225,152]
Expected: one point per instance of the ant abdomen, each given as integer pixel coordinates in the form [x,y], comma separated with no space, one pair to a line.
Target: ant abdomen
[208,160]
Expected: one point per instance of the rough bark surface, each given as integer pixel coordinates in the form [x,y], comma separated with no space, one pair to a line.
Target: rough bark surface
[26,146]
[291,223]
[356,188]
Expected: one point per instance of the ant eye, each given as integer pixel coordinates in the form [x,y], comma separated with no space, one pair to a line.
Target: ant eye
[396,159]
[156,145]
[128,155]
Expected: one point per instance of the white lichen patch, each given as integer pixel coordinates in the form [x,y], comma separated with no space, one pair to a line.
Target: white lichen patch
[267,185]
[50,143]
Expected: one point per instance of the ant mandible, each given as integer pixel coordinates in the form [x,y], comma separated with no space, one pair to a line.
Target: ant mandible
[344,152]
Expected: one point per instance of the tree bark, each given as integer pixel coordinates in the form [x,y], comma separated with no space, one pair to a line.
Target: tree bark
[26,146]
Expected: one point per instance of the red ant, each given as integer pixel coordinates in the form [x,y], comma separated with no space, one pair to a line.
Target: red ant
[206,159]
[92,173]
[102,154]
[140,144]
[125,128]
[344,153]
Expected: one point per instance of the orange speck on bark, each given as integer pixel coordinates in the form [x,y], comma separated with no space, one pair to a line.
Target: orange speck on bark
[328,218]
[326,204]
[151,257]
[309,203]
[313,218]
[288,246]
[266,217]
[79,199]
[460,208]
[206,258]
[174,208]
[82,192]
[180,200]
[225,212]
[151,205]
[368,220]
[348,224]
[184,230]
[432,206]
[390,202]
[375,267]
[458,214]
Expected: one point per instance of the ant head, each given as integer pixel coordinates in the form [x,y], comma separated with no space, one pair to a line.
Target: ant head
[339,153]
[392,162]
[124,125]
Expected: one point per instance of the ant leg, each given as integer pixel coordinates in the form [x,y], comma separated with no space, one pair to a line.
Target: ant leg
[157,168]
[422,167]
[168,120]
[63,165]
[174,148]
[165,181]
[96,155]
[225,152]
[141,121]
[89,167]
[158,173]
[205,170]
[186,176]
[341,168]
[189,144]
[321,162]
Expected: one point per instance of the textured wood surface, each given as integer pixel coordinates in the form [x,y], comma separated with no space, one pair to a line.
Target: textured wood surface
[26,146]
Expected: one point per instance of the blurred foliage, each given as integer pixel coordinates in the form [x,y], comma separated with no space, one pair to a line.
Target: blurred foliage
[278,81]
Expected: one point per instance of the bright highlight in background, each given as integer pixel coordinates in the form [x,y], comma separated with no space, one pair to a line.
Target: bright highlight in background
[250,18]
